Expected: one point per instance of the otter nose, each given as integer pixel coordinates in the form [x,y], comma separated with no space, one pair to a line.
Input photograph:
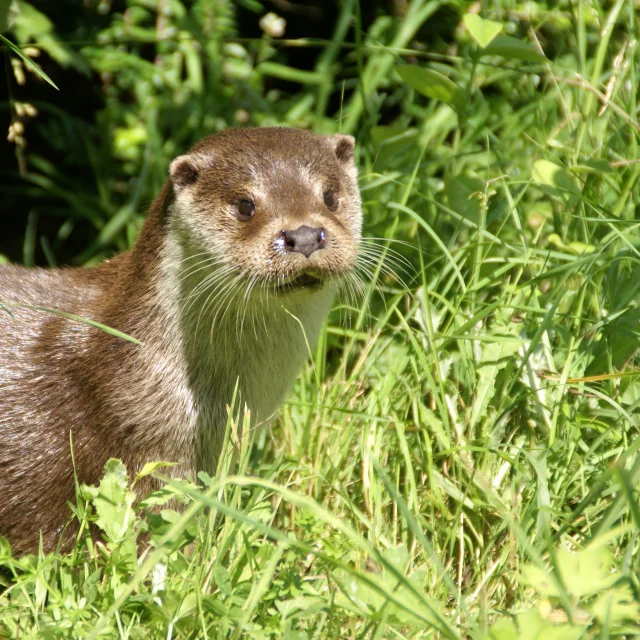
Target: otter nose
[304,240]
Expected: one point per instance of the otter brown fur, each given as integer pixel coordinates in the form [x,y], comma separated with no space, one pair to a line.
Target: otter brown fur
[228,283]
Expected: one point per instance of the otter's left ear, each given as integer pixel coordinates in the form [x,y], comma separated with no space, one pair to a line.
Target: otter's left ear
[344,146]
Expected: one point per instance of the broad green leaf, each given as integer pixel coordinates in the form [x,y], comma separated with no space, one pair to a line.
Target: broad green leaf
[393,136]
[222,579]
[509,47]
[3,259]
[431,84]
[495,356]
[160,525]
[531,625]
[631,393]
[160,498]
[587,572]
[555,176]
[152,467]
[503,629]
[540,579]
[616,606]
[451,489]
[391,141]
[436,426]
[583,574]
[562,632]
[303,604]
[483,31]
[188,606]
[362,597]
[398,556]
[113,501]
[212,604]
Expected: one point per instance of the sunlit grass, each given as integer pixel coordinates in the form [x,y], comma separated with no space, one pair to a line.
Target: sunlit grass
[460,458]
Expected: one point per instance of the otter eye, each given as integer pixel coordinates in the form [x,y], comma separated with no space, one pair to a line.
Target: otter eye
[246,209]
[331,199]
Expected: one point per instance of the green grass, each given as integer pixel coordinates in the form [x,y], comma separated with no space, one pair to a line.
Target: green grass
[460,458]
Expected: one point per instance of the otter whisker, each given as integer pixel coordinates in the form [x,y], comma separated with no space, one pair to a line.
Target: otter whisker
[207,281]
[210,293]
[370,266]
[351,285]
[388,254]
[210,283]
[191,256]
[201,265]
[264,286]
[221,286]
[389,261]
[379,240]
[246,301]
[221,273]
[226,303]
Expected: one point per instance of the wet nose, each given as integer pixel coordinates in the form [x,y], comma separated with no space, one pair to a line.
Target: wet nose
[304,240]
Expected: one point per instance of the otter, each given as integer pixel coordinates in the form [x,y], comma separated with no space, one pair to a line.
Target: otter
[227,286]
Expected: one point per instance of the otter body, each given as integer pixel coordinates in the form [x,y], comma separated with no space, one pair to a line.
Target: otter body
[234,271]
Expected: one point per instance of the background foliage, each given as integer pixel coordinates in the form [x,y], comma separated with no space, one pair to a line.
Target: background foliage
[460,459]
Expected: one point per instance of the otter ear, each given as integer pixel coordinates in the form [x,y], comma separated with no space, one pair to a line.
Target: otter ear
[183,172]
[344,146]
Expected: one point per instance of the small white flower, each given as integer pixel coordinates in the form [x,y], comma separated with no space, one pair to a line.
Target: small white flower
[25,109]
[242,116]
[16,129]
[272,24]
[18,71]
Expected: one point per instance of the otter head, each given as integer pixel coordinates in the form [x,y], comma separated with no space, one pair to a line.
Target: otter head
[275,207]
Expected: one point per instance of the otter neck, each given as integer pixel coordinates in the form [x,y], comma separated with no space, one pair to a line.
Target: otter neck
[234,339]
[205,338]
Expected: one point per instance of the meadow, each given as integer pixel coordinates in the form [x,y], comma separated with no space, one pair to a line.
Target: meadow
[459,457]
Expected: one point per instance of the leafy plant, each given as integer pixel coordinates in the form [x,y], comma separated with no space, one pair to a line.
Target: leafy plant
[460,459]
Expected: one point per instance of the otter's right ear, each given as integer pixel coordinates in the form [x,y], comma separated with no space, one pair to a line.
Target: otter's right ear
[183,172]
[344,146]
